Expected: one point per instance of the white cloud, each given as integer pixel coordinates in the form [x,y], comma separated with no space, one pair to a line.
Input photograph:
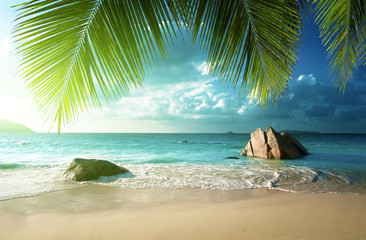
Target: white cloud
[204,68]
[6,46]
[181,99]
[308,79]
[220,104]
[203,105]
[290,96]
[189,100]
[219,96]
[242,109]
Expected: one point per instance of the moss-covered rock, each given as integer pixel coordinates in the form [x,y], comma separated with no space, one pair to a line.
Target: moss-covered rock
[91,169]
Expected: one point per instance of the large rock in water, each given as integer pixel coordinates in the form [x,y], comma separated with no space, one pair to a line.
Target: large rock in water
[273,145]
[90,169]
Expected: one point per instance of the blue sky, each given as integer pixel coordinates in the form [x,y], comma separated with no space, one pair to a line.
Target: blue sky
[180,96]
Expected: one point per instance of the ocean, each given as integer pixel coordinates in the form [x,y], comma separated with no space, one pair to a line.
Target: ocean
[33,163]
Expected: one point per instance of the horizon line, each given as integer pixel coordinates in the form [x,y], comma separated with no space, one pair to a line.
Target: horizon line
[230,132]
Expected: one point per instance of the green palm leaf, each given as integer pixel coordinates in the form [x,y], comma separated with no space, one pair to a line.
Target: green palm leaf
[251,43]
[342,27]
[77,52]
[362,46]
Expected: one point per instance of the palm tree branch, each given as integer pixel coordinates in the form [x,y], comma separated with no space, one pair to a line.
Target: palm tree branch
[254,42]
[341,23]
[78,53]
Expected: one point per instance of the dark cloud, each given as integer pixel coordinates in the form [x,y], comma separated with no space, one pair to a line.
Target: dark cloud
[354,114]
[320,106]
[320,111]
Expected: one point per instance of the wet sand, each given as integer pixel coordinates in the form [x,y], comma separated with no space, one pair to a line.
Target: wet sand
[104,212]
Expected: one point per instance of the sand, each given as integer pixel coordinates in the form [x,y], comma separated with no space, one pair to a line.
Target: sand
[103,212]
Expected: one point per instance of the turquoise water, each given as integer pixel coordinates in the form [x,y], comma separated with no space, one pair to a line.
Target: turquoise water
[31,164]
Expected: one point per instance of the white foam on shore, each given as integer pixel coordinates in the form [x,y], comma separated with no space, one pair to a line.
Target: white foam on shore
[209,176]
[32,181]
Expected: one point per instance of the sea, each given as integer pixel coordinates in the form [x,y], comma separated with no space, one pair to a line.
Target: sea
[33,163]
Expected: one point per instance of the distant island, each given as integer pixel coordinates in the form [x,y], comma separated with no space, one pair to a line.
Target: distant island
[12,127]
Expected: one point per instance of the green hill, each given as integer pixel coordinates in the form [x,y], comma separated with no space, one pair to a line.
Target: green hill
[7,126]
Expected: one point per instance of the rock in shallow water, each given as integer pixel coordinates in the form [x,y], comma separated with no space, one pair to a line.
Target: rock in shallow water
[272,145]
[91,169]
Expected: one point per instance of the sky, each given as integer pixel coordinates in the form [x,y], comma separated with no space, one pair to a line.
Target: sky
[181,96]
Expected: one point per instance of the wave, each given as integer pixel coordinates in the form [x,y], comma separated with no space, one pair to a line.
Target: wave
[321,181]
[221,177]
[205,176]
[11,165]
[107,179]
[24,166]
[22,143]
[184,176]
[203,143]
[164,160]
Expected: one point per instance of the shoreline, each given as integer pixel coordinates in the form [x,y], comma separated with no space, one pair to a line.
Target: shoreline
[107,212]
[274,189]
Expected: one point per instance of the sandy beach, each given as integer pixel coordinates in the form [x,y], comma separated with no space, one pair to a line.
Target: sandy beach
[104,212]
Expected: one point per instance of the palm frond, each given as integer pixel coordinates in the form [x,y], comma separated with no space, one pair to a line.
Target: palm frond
[76,52]
[363,53]
[252,42]
[306,7]
[341,23]
[362,44]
